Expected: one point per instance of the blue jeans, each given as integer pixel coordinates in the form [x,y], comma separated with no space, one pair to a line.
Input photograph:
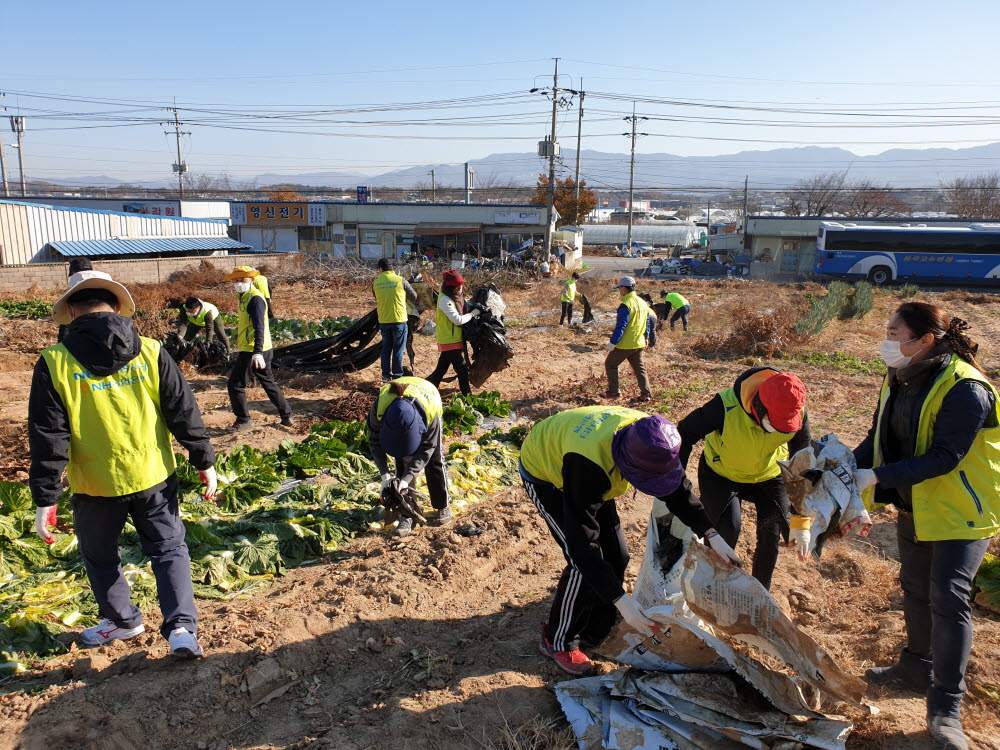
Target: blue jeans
[393,345]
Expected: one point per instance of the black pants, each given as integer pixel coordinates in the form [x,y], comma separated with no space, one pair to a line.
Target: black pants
[243,375]
[99,523]
[436,473]
[577,611]
[682,313]
[218,328]
[567,313]
[937,587]
[454,358]
[721,498]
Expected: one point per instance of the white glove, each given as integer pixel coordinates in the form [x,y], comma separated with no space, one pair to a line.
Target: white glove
[800,538]
[475,313]
[865,478]
[609,348]
[44,518]
[257,362]
[386,478]
[723,550]
[633,615]
[211,481]
[403,484]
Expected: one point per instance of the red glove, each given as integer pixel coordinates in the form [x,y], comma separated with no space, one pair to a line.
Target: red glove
[44,519]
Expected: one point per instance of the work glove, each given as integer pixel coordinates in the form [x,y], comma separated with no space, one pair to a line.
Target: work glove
[257,362]
[44,518]
[800,539]
[609,348]
[633,615]
[210,479]
[386,479]
[723,550]
[403,485]
[865,478]
[475,313]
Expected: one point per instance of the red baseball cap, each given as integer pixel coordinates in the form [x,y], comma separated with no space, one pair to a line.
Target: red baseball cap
[784,397]
[452,278]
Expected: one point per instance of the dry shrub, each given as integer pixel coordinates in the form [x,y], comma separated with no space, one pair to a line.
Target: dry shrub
[205,275]
[754,333]
[537,733]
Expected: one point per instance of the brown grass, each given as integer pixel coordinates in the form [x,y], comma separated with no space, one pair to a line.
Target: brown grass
[754,333]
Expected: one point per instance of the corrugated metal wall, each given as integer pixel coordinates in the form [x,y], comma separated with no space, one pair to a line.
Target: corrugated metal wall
[25,229]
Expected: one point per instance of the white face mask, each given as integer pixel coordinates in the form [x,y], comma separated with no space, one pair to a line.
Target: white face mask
[766,425]
[242,286]
[891,354]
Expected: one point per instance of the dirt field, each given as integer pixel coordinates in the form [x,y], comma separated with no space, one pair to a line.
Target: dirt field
[430,642]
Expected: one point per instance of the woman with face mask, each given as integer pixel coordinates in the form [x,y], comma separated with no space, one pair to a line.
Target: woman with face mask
[747,429]
[932,452]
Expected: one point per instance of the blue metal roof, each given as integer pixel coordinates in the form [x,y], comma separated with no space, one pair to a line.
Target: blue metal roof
[87,248]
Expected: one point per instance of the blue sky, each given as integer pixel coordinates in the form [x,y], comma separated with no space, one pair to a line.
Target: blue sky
[889,61]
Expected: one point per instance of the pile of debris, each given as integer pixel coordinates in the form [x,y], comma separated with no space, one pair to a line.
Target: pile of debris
[729,669]
[200,353]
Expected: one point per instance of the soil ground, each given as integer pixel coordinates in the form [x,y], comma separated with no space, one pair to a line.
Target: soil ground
[430,642]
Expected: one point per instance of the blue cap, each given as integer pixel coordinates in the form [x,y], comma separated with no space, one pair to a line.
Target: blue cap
[646,453]
[402,429]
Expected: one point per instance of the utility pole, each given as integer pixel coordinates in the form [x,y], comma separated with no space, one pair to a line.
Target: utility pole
[180,167]
[17,125]
[579,131]
[552,165]
[631,177]
[469,183]
[3,172]
[433,186]
[746,203]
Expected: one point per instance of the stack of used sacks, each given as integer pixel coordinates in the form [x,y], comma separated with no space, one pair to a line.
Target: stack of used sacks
[729,670]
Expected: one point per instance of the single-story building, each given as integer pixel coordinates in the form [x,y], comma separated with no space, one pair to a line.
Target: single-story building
[374,230]
[32,233]
[196,208]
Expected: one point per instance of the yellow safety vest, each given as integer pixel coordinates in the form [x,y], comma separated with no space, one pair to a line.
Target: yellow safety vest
[119,442]
[418,390]
[260,284]
[676,301]
[743,451]
[588,431]
[569,291]
[199,319]
[446,331]
[634,336]
[390,297]
[245,333]
[964,503]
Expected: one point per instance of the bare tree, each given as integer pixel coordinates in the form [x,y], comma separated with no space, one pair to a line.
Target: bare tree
[974,196]
[817,196]
[496,189]
[867,200]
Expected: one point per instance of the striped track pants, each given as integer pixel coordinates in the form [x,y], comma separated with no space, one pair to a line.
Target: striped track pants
[577,611]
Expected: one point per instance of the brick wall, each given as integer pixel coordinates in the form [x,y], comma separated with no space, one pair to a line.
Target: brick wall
[147,270]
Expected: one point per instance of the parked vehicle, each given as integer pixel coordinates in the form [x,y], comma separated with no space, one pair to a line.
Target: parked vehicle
[638,250]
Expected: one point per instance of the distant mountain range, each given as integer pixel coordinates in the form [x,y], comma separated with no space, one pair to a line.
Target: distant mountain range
[767,169]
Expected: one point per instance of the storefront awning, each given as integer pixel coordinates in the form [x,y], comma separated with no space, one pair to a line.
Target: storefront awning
[443,229]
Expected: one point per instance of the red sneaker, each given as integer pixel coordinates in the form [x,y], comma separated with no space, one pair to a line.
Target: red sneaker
[573,662]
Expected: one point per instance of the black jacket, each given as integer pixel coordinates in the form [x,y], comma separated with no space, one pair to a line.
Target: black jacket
[429,443]
[712,416]
[104,343]
[963,413]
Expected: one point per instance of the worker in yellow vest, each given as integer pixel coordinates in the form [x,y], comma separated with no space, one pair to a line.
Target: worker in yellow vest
[104,403]
[573,465]
[405,423]
[568,297]
[679,306]
[933,451]
[392,292]
[253,338]
[747,429]
[633,329]
[451,316]
[204,317]
[262,285]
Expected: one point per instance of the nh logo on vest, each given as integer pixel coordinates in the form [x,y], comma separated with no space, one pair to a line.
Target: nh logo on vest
[122,382]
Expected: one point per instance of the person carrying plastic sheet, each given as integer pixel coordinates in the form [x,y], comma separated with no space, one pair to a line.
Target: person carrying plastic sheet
[253,339]
[392,292]
[747,429]
[104,403]
[573,465]
[405,423]
[451,316]
[634,328]
[679,306]
[568,297]
[933,452]
[204,317]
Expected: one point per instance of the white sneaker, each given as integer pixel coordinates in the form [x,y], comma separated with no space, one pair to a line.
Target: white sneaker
[183,645]
[107,631]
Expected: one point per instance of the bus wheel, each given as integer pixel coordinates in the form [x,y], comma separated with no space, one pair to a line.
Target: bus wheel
[880,275]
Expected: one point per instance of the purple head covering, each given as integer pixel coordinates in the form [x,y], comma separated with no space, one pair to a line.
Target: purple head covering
[646,452]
